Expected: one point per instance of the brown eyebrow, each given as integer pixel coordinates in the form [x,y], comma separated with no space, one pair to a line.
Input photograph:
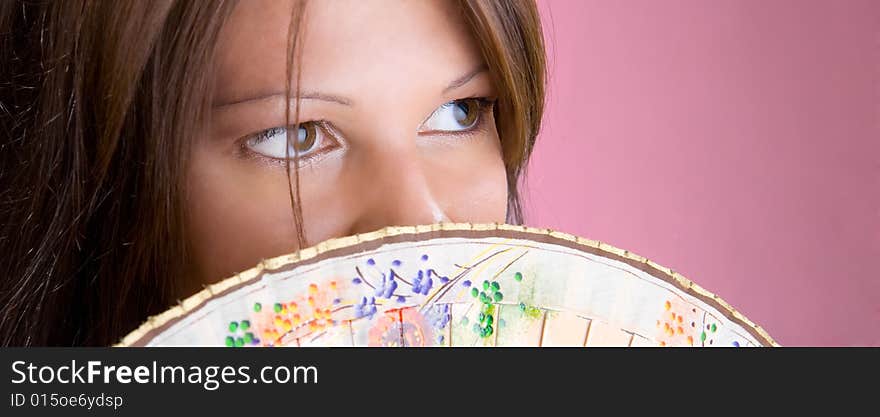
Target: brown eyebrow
[303,96]
[458,82]
[464,79]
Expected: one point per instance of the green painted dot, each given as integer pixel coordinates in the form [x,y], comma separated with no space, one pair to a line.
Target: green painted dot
[477,329]
[486,285]
[248,337]
[239,342]
[230,341]
[714,328]
[498,297]
[481,317]
[475,292]
[258,307]
[703,336]
[517,276]
[531,312]
[487,308]
[490,309]
[522,306]
[233,326]
[245,324]
[488,331]
[483,297]
[496,286]
[489,320]
[277,307]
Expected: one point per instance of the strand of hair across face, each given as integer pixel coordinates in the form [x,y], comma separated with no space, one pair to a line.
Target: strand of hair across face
[293,192]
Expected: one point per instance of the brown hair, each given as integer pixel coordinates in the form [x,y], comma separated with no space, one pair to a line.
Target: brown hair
[97,103]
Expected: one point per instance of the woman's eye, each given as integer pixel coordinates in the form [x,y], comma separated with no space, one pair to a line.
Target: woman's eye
[273,143]
[455,116]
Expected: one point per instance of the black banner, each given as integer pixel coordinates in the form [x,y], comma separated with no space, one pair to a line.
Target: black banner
[145,381]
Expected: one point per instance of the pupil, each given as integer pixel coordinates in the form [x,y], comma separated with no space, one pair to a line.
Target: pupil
[305,137]
[461,112]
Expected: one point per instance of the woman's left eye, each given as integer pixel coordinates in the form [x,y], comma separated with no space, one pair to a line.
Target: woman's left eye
[456,116]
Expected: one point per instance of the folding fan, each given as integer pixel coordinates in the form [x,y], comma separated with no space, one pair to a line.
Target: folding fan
[454,285]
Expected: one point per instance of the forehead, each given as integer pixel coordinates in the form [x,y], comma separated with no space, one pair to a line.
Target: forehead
[349,47]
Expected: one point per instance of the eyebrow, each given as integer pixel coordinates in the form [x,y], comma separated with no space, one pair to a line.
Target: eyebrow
[303,96]
[464,79]
[456,83]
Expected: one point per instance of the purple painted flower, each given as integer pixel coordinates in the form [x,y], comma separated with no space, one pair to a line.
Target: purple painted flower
[387,288]
[439,316]
[365,308]
[422,283]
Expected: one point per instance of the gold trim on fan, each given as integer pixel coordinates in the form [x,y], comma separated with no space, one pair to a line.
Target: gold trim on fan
[273,264]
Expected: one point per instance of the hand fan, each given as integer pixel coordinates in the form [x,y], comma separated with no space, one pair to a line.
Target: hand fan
[454,285]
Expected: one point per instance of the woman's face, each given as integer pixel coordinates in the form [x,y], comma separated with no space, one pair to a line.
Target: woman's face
[396,106]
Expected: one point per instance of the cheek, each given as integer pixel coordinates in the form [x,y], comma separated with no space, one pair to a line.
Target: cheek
[470,183]
[234,216]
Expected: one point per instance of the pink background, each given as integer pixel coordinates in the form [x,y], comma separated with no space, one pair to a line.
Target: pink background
[737,142]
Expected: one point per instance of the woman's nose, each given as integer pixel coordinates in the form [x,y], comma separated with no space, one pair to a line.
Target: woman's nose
[401,190]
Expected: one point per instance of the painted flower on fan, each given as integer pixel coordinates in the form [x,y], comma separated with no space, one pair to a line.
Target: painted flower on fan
[422,283]
[365,308]
[491,294]
[387,288]
[400,327]
[240,334]
[439,316]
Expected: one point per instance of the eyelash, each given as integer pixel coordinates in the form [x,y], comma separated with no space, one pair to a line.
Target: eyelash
[485,106]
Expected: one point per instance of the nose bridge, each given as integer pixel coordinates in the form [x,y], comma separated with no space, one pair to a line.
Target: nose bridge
[401,186]
[406,182]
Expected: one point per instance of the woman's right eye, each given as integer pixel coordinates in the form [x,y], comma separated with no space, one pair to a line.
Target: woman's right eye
[273,143]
